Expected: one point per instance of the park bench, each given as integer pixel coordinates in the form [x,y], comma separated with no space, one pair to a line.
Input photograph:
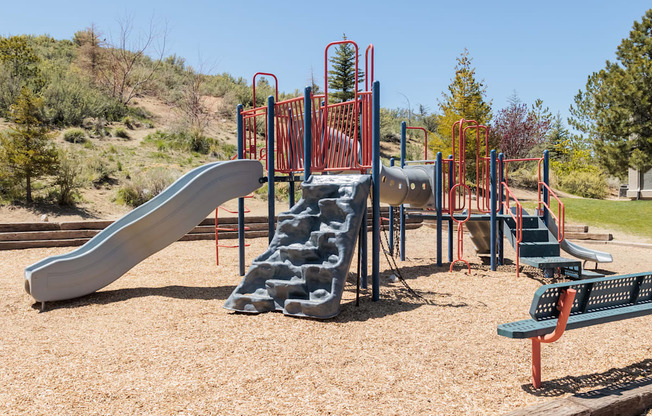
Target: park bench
[570,305]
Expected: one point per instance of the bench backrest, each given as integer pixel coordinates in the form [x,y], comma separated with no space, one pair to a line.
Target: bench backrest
[593,295]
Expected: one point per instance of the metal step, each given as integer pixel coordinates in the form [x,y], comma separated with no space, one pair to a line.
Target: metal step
[539,249]
[551,262]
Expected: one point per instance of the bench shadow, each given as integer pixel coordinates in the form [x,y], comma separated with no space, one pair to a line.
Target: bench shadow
[608,382]
[106,297]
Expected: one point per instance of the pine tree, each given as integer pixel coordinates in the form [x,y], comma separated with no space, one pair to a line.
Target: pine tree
[341,78]
[27,151]
[465,99]
[615,110]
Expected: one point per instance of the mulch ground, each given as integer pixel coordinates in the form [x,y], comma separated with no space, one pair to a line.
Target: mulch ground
[157,341]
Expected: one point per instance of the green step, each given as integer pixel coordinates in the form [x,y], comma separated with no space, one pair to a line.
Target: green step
[539,249]
[551,262]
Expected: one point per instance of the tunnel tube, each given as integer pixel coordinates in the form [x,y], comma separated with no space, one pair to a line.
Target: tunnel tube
[411,185]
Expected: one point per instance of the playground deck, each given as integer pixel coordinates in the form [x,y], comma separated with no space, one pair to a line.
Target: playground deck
[157,341]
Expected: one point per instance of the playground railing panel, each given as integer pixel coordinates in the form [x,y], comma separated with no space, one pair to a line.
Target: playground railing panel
[252,118]
[517,216]
[560,217]
[289,115]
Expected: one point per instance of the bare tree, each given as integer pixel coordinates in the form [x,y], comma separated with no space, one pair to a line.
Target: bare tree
[127,71]
[192,104]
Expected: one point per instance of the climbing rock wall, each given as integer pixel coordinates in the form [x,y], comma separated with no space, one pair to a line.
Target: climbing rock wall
[304,269]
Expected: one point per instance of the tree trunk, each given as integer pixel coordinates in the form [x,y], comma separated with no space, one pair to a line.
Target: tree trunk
[29,189]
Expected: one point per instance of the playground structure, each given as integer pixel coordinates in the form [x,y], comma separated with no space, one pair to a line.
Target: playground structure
[311,248]
[537,239]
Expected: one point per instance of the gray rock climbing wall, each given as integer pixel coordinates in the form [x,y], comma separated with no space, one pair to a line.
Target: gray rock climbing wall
[304,269]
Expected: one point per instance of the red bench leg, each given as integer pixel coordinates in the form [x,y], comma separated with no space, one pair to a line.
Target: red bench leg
[565,304]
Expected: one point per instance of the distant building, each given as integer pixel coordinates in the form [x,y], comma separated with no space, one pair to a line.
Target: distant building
[640,184]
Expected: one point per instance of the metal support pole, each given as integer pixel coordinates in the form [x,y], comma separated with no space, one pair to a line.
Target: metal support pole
[402,208]
[375,234]
[271,212]
[438,205]
[291,190]
[492,207]
[241,219]
[391,221]
[451,170]
[365,248]
[501,224]
[546,180]
[307,134]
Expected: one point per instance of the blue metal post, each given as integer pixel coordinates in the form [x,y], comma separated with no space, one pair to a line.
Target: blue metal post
[492,207]
[365,250]
[402,208]
[241,219]
[451,170]
[391,221]
[546,180]
[271,212]
[438,206]
[307,133]
[501,242]
[293,139]
[375,234]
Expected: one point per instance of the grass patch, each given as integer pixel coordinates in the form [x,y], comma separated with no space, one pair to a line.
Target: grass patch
[631,217]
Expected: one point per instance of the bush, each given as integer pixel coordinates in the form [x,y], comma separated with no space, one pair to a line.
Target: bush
[97,171]
[188,141]
[524,177]
[74,135]
[121,132]
[585,184]
[67,179]
[146,186]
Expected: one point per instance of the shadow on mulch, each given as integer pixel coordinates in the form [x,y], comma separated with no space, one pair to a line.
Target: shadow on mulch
[120,295]
[39,208]
[635,375]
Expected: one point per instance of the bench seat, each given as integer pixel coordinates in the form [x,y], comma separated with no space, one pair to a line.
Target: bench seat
[529,328]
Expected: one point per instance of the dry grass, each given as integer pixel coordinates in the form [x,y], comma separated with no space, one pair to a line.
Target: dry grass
[157,341]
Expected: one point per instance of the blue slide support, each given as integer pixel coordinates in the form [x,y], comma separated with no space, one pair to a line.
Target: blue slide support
[492,207]
[451,170]
[271,212]
[241,219]
[501,242]
[391,221]
[375,234]
[402,208]
[438,205]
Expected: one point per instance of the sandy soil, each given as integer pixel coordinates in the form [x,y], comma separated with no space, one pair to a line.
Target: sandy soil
[157,341]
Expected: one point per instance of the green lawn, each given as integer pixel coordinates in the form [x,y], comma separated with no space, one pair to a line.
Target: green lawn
[631,217]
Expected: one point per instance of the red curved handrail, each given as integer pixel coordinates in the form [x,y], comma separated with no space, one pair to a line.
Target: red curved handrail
[518,219]
[561,210]
[254,85]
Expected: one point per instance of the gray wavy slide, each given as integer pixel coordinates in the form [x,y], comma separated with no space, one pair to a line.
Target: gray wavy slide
[142,232]
[578,251]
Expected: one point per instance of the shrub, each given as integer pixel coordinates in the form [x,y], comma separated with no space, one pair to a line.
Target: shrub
[524,177]
[67,179]
[74,135]
[97,171]
[128,122]
[121,132]
[585,184]
[146,186]
[188,141]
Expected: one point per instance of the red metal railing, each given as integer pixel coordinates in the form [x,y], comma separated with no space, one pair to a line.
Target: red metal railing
[251,118]
[517,217]
[425,140]
[561,210]
[253,84]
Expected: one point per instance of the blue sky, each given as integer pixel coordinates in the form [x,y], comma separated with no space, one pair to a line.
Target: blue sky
[538,49]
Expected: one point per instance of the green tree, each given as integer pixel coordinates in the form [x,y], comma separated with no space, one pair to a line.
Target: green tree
[558,140]
[341,78]
[615,110]
[18,68]
[27,150]
[465,99]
